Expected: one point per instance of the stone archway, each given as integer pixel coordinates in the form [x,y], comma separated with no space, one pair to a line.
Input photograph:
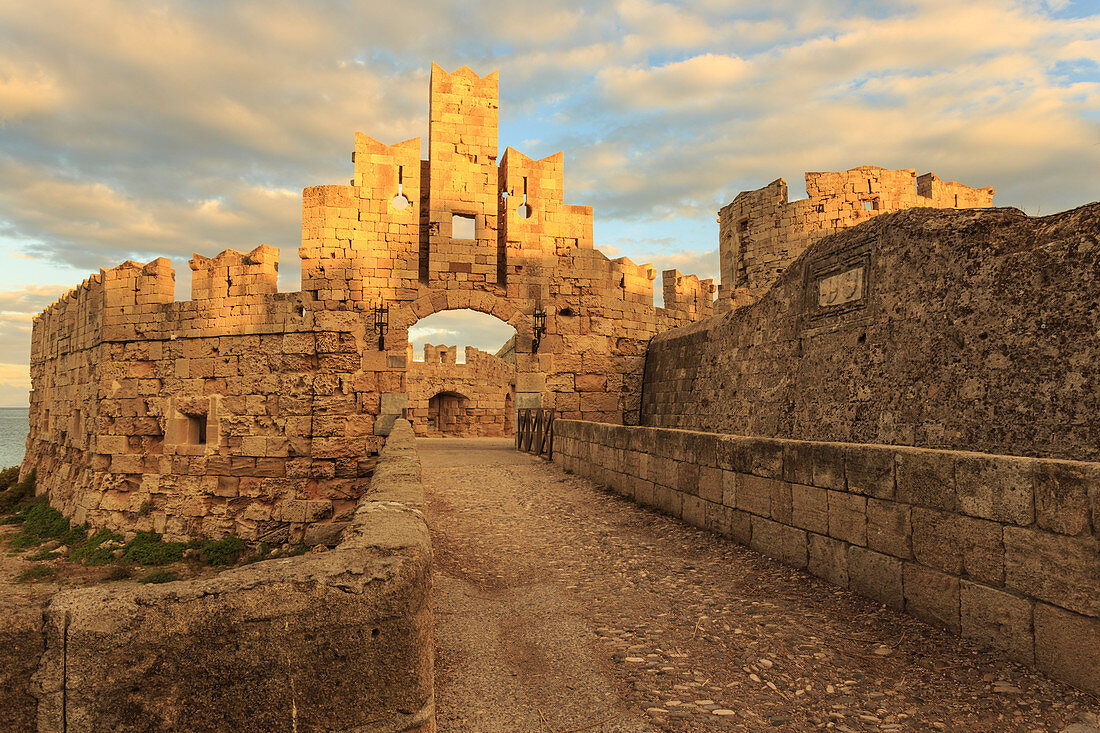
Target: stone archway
[525,391]
[447,413]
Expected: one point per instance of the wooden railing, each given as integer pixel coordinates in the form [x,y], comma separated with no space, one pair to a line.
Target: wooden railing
[535,431]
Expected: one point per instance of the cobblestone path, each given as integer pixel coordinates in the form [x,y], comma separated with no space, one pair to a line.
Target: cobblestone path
[561,607]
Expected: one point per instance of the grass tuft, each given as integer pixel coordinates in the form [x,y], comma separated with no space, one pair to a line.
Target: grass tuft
[38,572]
[92,552]
[159,576]
[223,551]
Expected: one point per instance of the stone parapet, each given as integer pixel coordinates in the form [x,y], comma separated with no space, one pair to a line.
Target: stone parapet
[339,640]
[1003,550]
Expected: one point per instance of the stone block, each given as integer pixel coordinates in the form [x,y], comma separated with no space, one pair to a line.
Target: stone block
[876,576]
[869,470]
[781,502]
[931,596]
[729,488]
[810,508]
[693,511]
[828,559]
[710,484]
[926,478]
[786,544]
[1062,495]
[394,402]
[1067,646]
[730,523]
[957,544]
[798,464]
[687,478]
[754,494]
[848,517]
[828,465]
[1063,571]
[997,619]
[1001,488]
[756,456]
[889,529]
[23,642]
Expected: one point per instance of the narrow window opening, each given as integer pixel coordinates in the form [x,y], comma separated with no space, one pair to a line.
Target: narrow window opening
[869,189]
[400,201]
[956,201]
[524,209]
[741,277]
[463,226]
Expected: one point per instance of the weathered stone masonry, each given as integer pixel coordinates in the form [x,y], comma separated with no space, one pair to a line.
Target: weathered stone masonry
[248,411]
[339,640]
[760,233]
[472,398]
[1000,549]
[968,330]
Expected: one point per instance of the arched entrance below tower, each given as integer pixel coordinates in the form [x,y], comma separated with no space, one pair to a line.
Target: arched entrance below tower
[447,414]
[464,385]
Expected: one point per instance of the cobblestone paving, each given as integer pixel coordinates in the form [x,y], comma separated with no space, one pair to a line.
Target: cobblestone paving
[562,607]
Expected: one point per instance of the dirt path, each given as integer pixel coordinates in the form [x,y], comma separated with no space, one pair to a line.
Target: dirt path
[560,607]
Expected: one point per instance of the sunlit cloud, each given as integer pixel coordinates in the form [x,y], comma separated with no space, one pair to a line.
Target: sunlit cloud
[136,130]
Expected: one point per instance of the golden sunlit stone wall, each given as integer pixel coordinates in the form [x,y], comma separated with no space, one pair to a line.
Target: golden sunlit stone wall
[248,411]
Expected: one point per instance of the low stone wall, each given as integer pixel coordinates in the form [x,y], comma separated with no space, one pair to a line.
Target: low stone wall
[335,641]
[1000,549]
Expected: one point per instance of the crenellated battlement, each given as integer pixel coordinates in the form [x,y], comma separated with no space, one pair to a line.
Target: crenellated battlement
[233,274]
[761,232]
[688,294]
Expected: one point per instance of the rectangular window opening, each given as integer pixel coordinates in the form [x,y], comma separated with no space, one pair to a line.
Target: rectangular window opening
[463,226]
[196,429]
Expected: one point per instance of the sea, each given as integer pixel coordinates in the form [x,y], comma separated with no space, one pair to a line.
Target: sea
[13,435]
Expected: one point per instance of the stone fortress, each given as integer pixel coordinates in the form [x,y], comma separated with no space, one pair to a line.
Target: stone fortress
[253,412]
[896,388]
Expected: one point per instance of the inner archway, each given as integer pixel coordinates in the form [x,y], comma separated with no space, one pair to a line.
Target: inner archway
[461,374]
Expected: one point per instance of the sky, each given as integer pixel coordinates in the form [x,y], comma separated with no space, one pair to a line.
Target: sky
[137,130]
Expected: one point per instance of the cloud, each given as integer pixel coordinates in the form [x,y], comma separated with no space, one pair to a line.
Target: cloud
[139,130]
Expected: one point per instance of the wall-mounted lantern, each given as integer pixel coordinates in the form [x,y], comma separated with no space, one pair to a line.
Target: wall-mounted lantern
[540,328]
[381,324]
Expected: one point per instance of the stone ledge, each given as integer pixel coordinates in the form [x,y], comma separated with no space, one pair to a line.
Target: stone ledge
[339,640]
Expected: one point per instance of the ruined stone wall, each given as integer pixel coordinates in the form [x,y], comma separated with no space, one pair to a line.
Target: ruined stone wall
[474,398]
[969,330]
[761,233]
[1002,550]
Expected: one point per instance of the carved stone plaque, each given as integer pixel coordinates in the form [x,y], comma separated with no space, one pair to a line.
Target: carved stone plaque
[843,287]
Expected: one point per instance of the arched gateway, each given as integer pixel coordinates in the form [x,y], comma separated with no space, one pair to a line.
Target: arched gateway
[251,411]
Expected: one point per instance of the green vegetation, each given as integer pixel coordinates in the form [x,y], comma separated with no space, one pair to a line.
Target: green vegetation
[41,523]
[149,548]
[38,572]
[44,554]
[223,551]
[159,576]
[14,493]
[99,548]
